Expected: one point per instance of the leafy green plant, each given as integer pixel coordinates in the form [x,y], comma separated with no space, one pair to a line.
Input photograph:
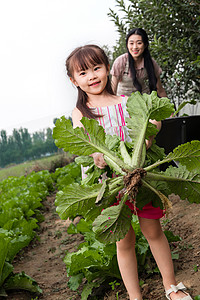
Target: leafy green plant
[196,268]
[20,200]
[66,175]
[22,281]
[113,285]
[96,263]
[138,176]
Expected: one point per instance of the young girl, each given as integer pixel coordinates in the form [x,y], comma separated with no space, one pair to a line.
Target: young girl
[136,70]
[88,69]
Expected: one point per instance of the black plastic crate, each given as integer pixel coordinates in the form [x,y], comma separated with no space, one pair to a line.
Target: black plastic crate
[178,130]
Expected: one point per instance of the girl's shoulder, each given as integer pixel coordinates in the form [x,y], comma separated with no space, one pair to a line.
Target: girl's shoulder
[76,112]
[76,117]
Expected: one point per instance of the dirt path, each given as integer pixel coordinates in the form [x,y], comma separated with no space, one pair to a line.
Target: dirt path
[42,260]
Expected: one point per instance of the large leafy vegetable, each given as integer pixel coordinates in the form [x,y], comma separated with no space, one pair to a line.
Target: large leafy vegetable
[138,175]
[95,263]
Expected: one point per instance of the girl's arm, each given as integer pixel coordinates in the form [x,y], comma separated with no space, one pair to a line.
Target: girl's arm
[76,118]
[160,90]
[114,83]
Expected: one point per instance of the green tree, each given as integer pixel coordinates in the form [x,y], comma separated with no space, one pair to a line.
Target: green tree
[3,146]
[173,27]
[50,145]
[21,146]
[18,145]
[26,142]
[38,148]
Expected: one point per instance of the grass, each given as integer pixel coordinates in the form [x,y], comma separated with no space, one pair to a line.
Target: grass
[44,163]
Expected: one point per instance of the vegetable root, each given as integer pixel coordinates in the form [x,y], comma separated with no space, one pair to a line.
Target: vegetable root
[132,182]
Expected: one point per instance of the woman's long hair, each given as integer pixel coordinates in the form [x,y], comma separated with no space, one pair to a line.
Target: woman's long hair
[83,58]
[148,64]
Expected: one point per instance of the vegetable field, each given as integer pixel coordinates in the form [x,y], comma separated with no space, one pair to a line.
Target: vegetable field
[75,257]
[43,258]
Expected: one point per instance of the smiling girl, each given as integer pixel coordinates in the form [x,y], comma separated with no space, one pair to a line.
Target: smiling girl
[88,69]
[136,70]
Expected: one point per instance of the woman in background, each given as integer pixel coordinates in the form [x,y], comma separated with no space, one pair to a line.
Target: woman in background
[136,70]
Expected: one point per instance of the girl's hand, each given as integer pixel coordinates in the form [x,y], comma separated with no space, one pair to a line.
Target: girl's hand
[99,160]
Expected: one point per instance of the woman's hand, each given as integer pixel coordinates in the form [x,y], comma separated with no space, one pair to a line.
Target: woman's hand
[99,160]
[149,142]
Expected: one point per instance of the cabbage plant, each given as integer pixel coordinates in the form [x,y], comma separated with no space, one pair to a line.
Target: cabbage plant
[138,175]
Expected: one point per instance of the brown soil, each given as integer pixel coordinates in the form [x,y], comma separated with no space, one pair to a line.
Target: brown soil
[42,260]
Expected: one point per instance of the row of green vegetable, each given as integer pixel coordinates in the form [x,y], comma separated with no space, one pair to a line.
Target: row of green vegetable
[20,213]
[20,201]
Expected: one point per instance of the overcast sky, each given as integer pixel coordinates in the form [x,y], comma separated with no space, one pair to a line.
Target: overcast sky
[36,38]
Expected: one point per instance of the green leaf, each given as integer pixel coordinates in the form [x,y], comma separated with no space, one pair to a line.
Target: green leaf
[70,139]
[112,142]
[155,153]
[113,223]
[23,282]
[93,176]
[186,184]
[182,105]
[84,160]
[146,195]
[124,153]
[82,260]
[171,237]
[84,226]
[141,108]
[16,244]
[76,200]
[113,187]
[187,154]
[7,270]
[101,192]
[142,246]
[179,181]
[87,290]
[80,142]
[72,229]
[75,281]
[4,244]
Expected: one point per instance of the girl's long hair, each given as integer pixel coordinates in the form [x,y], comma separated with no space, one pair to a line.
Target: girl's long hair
[83,58]
[148,64]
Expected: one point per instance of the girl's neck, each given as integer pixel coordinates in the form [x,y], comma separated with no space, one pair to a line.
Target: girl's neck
[102,100]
